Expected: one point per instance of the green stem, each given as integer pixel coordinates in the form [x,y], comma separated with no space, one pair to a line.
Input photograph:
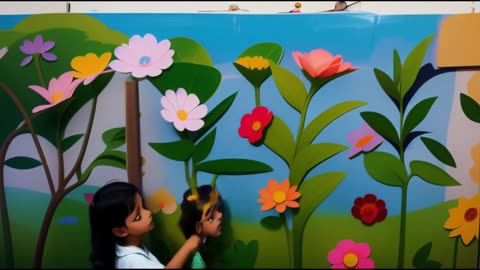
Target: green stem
[257,96]
[214,180]
[187,173]
[288,233]
[303,115]
[36,59]
[194,180]
[455,252]
[403,223]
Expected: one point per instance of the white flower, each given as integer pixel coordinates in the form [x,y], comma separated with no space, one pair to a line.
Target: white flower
[183,110]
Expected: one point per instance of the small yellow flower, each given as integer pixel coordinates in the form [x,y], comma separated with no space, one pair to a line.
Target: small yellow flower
[464,220]
[257,62]
[475,170]
[90,66]
[162,200]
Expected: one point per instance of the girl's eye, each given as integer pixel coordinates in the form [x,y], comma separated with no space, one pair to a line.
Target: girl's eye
[210,219]
[138,217]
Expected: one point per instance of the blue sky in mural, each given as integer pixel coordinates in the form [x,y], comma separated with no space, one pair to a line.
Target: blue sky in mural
[364,39]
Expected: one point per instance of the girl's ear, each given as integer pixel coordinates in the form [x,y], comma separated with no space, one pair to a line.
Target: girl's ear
[120,231]
[198,227]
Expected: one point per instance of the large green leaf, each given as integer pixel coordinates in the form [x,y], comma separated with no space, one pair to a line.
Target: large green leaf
[470,108]
[200,80]
[324,119]
[241,256]
[397,68]
[412,65]
[385,168]
[421,261]
[387,84]
[290,87]
[272,223]
[213,117]
[70,141]
[432,173]
[113,134]
[439,151]
[179,150]
[190,51]
[279,139]
[383,127]
[311,156]
[204,147]
[233,166]
[109,158]
[417,114]
[22,163]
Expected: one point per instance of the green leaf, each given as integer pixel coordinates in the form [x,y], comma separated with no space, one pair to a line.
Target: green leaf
[114,158]
[432,174]
[241,256]
[290,87]
[412,65]
[190,51]
[233,167]
[387,84]
[311,156]
[417,114]
[431,264]
[213,117]
[397,68]
[439,151]
[254,76]
[470,108]
[314,191]
[70,141]
[411,136]
[113,134]
[22,163]
[200,80]
[279,139]
[324,119]
[383,127]
[422,254]
[385,168]
[204,147]
[180,150]
[272,223]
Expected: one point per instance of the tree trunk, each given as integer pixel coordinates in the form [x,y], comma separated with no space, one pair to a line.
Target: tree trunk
[132,130]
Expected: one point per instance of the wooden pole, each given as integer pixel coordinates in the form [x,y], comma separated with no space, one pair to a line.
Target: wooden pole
[132,130]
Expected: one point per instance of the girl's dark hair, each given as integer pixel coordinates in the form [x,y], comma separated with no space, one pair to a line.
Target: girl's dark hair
[110,207]
[191,214]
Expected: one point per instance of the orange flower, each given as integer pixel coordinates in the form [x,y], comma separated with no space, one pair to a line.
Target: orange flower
[472,86]
[475,169]
[320,63]
[279,196]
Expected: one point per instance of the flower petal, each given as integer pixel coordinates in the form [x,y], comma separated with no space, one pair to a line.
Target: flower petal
[26,61]
[194,124]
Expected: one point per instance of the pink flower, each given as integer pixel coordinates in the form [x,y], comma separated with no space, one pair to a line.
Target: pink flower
[365,139]
[143,56]
[3,51]
[348,254]
[320,63]
[58,90]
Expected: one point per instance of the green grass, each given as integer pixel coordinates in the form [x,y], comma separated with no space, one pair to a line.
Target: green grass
[68,245]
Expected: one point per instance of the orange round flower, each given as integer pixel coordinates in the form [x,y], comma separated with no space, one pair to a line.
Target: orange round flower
[279,196]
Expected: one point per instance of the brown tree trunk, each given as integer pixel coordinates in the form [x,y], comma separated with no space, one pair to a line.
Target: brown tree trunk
[132,130]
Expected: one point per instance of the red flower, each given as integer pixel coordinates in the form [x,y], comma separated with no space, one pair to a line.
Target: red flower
[252,125]
[369,209]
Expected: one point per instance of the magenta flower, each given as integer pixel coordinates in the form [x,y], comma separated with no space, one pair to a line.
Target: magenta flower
[3,52]
[143,56]
[348,254]
[58,90]
[37,46]
[363,140]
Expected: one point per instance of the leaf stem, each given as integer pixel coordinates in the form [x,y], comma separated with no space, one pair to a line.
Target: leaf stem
[455,252]
[36,59]
[257,96]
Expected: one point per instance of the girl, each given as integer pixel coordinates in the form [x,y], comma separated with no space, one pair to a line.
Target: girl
[118,222]
[201,214]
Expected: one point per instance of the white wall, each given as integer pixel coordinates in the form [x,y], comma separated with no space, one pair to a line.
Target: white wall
[381,7]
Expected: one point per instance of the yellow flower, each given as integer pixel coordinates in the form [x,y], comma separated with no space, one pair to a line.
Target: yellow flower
[464,220]
[257,62]
[473,85]
[162,200]
[88,67]
[475,170]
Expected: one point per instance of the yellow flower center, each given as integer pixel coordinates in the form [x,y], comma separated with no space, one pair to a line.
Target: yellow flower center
[279,196]
[471,214]
[350,260]
[257,62]
[57,97]
[363,141]
[182,115]
[256,125]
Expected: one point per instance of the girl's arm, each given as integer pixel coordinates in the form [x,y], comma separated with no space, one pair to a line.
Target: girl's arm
[188,248]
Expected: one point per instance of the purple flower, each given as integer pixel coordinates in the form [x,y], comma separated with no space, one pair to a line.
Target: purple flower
[363,140]
[37,46]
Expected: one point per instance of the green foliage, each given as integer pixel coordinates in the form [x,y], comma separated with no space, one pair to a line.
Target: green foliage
[22,163]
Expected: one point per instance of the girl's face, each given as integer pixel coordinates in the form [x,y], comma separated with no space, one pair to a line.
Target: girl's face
[211,224]
[140,220]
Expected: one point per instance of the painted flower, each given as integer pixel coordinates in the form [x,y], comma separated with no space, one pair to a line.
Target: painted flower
[464,219]
[279,196]
[58,90]
[363,140]
[256,62]
[37,46]
[3,51]
[473,85]
[90,66]
[369,209]
[162,200]
[88,197]
[320,63]
[253,124]
[475,170]
[143,56]
[183,110]
[348,254]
